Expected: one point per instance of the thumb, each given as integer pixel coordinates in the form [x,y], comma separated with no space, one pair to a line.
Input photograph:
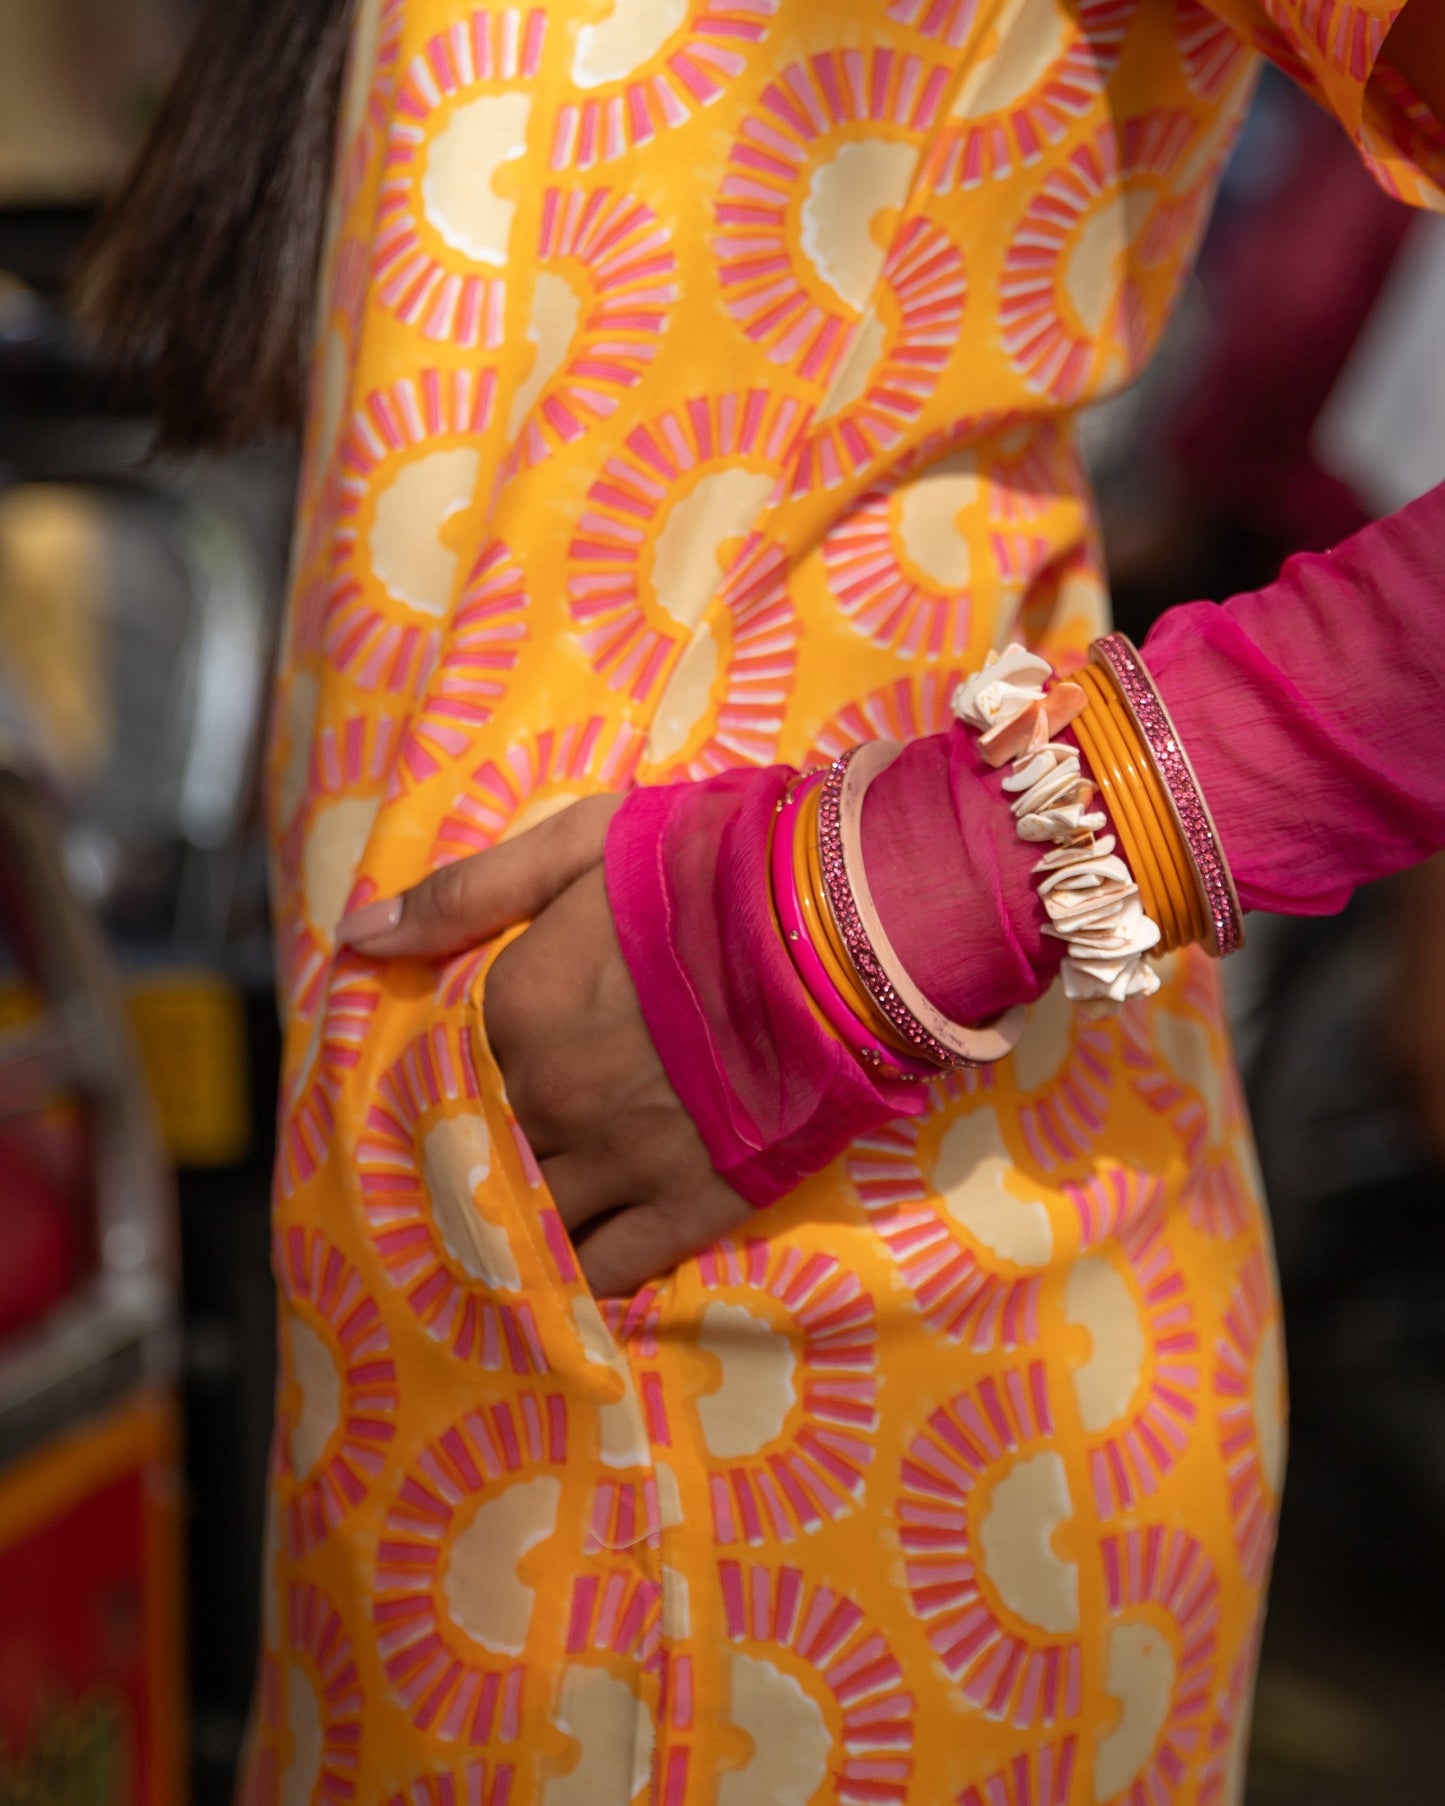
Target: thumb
[466,903]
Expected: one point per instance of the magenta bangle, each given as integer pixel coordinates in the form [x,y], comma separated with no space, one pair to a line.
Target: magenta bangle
[1118,657]
[844,1022]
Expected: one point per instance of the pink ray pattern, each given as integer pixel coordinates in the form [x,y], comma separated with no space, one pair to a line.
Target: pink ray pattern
[807,108]
[322,1287]
[923,282]
[576,760]
[376,651]
[969,152]
[816,1471]
[354,159]
[410,274]
[315,1636]
[1216,1198]
[618,1613]
[484,638]
[1253,1504]
[828,1633]
[958,1295]
[456,1309]
[947,21]
[1052,354]
[694,69]
[1039,1778]
[1129,1461]
[624,260]
[476,1783]
[1167,1569]
[1214,56]
[447,1684]
[758,623]
[625,637]
[1024,1678]
[308,1109]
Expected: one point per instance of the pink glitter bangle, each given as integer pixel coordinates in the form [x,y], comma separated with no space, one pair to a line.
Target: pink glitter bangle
[792,919]
[840,838]
[1118,657]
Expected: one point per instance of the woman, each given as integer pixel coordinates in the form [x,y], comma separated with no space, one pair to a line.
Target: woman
[694,399]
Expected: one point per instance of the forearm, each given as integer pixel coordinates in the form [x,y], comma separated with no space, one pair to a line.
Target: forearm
[1311,712]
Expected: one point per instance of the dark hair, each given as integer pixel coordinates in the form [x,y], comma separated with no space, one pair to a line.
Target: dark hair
[200,279]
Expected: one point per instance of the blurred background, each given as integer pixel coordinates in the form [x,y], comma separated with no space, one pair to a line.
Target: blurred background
[1300,392]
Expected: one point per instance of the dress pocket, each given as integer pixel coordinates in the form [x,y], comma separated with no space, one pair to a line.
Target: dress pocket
[554,1305]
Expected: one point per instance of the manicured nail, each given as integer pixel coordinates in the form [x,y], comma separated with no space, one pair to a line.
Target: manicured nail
[369,922]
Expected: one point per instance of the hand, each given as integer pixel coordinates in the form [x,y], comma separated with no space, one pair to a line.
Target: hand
[627,1169]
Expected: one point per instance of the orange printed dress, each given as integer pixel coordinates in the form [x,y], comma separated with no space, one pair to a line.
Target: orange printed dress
[696,388]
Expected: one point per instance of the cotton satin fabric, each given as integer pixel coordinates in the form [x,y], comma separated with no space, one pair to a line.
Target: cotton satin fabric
[693,395]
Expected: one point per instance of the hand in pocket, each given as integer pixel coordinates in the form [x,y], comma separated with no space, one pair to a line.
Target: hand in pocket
[620,1155]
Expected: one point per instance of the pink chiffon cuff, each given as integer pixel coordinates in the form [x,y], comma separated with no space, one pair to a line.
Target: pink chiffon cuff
[1311,711]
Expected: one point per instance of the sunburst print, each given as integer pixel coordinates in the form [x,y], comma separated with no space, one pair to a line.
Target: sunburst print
[1137,1390]
[1029,90]
[534,779]
[411,451]
[833,144]
[1249,1385]
[789,1431]
[1072,310]
[725,698]
[442,232]
[802,1626]
[664,526]
[451,1604]
[484,638]
[601,299]
[999,1604]
[339,1394]
[425,1150]
[893,362]
[643,73]
[965,1290]
[1164,1596]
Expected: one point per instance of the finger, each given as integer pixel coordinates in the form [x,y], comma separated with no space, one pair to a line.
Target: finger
[645,1241]
[472,899]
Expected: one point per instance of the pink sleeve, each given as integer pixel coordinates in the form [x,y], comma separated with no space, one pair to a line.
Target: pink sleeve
[773,1095]
[1312,712]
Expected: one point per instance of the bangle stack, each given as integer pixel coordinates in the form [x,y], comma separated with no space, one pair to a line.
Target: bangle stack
[839,947]
[1089,893]
[1162,884]
[1217,917]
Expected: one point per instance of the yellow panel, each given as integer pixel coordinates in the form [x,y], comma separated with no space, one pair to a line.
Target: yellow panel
[192,1036]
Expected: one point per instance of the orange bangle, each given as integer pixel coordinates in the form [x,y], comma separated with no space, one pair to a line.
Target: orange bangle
[1192,902]
[1176,865]
[823,930]
[1176,918]
[1106,764]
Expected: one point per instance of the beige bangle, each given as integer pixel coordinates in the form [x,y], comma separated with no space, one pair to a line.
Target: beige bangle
[840,837]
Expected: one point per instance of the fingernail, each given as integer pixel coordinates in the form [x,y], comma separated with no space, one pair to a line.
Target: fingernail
[369,922]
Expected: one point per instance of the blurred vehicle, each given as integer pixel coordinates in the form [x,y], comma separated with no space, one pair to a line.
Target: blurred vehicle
[137,607]
[91,1667]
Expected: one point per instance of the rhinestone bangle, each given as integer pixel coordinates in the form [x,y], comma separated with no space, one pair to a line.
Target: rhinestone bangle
[840,840]
[1116,656]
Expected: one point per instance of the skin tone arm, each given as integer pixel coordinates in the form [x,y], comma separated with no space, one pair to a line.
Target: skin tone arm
[625,1166]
